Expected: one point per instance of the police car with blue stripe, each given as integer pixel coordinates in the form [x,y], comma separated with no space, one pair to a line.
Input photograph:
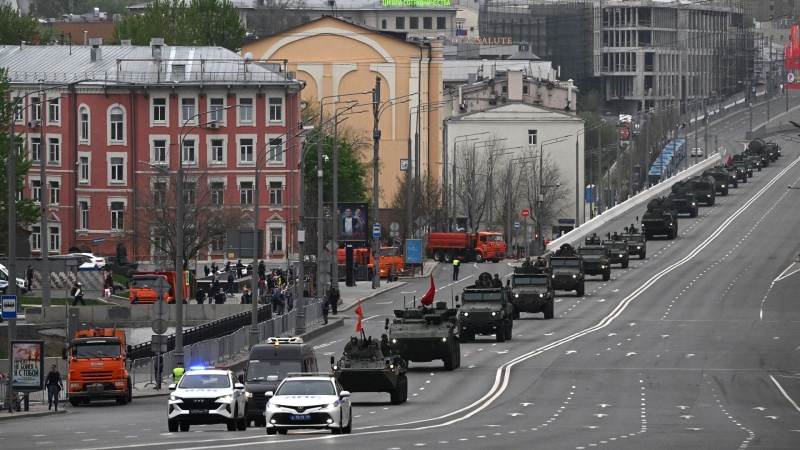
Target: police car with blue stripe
[315,401]
[207,396]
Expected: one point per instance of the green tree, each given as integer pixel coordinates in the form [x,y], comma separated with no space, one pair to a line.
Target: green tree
[200,23]
[27,212]
[15,27]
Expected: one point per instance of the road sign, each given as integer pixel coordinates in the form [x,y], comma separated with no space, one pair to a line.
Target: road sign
[9,307]
[404,164]
[414,251]
[595,210]
[376,230]
[158,343]
[98,240]
[790,77]
[525,213]
[160,308]
[161,286]
[394,234]
[159,326]
[394,226]
[516,225]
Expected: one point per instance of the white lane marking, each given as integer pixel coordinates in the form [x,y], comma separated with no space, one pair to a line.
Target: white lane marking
[785,275]
[371,317]
[784,393]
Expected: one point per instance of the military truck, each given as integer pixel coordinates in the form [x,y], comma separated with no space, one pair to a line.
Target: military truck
[758,147]
[733,175]
[637,244]
[772,149]
[705,189]
[596,260]
[364,368]
[532,291]
[617,251]
[683,198]
[740,167]
[660,219]
[721,179]
[426,333]
[567,267]
[754,158]
[485,310]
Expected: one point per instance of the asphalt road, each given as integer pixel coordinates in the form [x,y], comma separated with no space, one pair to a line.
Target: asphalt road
[695,347]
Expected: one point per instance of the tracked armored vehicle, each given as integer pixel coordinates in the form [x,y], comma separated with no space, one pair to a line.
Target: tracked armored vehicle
[364,368]
[683,198]
[532,291]
[424,334]
[567,267]
[660,219]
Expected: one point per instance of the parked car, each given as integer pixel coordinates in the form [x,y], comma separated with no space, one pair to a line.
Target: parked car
[696,152]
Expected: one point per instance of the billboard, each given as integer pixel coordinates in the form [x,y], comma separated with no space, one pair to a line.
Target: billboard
[27,365]
[354,222]
[792,57]
[414,251]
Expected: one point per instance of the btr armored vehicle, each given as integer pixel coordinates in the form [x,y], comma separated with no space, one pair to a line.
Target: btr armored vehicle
[364,368]
[532,291]
[742,169]
[596,260]
[426,333]
[567,267]
[485,310]
[660,219]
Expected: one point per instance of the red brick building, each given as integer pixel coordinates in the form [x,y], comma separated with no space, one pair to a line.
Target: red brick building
[112,118]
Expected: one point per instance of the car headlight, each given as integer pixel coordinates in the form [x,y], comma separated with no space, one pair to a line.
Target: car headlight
[248,394]
[494,313]
[692,203]
[74,385]
[225,398]
[273,407]
[723,185]
[621,255]
[175,398]
[333,405]
[553,276]
[541,295]
[516,295]
[638,247]
[602,266]
[574,276]
[394,341]
[444,339]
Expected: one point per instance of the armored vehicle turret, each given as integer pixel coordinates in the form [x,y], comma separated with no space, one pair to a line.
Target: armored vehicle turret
[485,310]
[364,368]
[532,291]
[758,147]
[660,219]
[424,334]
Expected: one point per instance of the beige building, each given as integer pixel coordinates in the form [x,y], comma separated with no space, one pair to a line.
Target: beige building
[335,58]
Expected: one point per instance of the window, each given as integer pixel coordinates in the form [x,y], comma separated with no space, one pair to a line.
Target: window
[531,137]
[159,194]
[246,192]
[189,193]
[36,149]
[246,150]
[189,156]
[36,110]
[19,110]
[54,110]
[276,240]
[36,238]
[159,110]
[413,23]
[117,216]
[55,151]
[524,89]
[84,125]
[383,24]
[441,23]
[427,23]
[275,151]
[216,111]
[246,110]
[55,239]
[116,122]
[83,169]
[160,242]
[36,190]
[84,208]
[117,167]
[275,109]
[160,151]
[275,193]
[187,109]
[217,243]
[400,23]
[217,151]
[55,192]
[217,193]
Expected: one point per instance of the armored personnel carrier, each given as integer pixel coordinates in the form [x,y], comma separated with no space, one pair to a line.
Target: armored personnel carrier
[567,267]
[596,260]
[721,178]
[683,198]
[660,219]
[424,334]
[705,189]
[364,368]
[485,310]
[532,291]
[637,244]
[617,250]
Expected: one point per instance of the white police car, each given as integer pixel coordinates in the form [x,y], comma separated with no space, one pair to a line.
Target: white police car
[207,396]
[309,401]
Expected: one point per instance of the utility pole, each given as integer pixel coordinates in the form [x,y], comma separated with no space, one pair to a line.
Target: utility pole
[705,139]
[716,144]
[509,199]
[44,148]
[300,325]
[410,188]
[599,183]
[619,174]
[577,186]
[376,138]
[178,352]
[320,289]
[12,240]
[490,200]
[751,116]
[335,207]
[695,128]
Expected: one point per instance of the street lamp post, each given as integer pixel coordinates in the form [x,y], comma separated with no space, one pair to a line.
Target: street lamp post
[539,212]
[410,169]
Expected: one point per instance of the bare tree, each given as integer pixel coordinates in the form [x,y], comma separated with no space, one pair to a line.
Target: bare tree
[471,163]
[208,214]
[426,202]
[554,193]
[507,180]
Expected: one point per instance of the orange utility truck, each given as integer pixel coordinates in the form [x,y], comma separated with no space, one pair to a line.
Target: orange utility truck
[97,367]
[142,286]
[478,247]
[391,259]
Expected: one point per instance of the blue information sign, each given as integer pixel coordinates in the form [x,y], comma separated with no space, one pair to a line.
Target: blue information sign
[414,251]
[376,230]
[516,225]
[9,306]
[98,240]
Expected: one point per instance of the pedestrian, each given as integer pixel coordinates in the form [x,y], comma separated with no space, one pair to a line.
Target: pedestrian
[334,300]
[53,384]
[220,297]
[230,283]
[261,286]
[287,294]
[158,369]
[306,286]
[135,299]
[250,269]
[29,276]
[247,296]
[214,267]
[78,295]
[277,306]
[227,266]
[177,373]
[109,282]
[207,271]
[325,308]
[214,285]
[239,267]
[262,269]
[456,263]
[200,296]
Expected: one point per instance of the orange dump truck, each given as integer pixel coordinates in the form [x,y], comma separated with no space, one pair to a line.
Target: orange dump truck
[478,247]
[97,367]
[142,286]
[391,259]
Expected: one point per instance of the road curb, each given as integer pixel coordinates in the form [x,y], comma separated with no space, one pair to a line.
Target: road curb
[23,415]
[396,285]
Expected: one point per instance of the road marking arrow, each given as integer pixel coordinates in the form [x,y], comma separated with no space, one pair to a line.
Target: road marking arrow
[515,414]
[603,405]
[601,300]
[612,334]
[502,352]
[664,335]
[472,366]
[690,355]
[526,404]
[683,407]
[601,415]
[571,351]
[687,416]
[615,290]
[548,334]
[632,324]
[760,408]
[772,417]
[630,353]
[591,427]
[695,429]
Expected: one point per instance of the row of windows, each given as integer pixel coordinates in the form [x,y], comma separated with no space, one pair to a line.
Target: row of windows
[53,235]
[413,23]
[275,241]
[217,150]
[217,193]
[35,108]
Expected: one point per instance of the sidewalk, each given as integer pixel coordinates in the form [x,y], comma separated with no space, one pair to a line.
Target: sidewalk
[363,290]
[35,410]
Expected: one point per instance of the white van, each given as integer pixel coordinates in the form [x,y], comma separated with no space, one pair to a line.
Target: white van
[4,281]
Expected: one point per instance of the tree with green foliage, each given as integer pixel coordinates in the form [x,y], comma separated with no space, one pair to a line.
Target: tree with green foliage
[199,23]
[15,27]
[27,211]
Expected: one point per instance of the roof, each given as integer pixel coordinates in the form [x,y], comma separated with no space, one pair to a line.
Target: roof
[240,4]
[132,65]
[524,55]
[515,112]
[366,5]
[455,70]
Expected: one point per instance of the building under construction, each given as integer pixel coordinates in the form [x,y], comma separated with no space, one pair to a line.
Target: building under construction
[642,55]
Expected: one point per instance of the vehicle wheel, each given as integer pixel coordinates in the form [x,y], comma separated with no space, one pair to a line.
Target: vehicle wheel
[448,256]
[449,361]
[500,335]
[458,355]
[349,428]
[625,264]
[400,391]
[283,431]
[606,275]
[725,192]
[642,255]
[759,168]
[74,401]
[581,290]
[711,201]
[232,425]
[337,430]
[130,390]
[271,431]
[172,426]
[515,314]
[437,255]
[693,214]
[510,330]
[495,261]
[185,426]
[478,258]
[241,424]
[744,179]
[463,336]
[549,310]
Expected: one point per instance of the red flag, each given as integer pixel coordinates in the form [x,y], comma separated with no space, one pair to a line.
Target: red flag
[730,160]
[427,299]
[360,316]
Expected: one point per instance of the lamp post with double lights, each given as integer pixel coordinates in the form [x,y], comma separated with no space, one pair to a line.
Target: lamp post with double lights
[464,138]
[577,170]
[425,107]
[542,186]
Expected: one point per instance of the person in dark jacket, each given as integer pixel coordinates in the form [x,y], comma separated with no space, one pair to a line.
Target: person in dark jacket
[158,369]
[78,295]
[247,296]
[53,384]
[200,296]
[325,308]
[262,269]
[220,297]
[333,298]
[206,270]
[239,267]
[230,283]
[29,276]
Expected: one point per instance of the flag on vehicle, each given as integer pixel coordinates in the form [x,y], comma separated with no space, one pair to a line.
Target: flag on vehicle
[730,160]
[360,316]
[427,299]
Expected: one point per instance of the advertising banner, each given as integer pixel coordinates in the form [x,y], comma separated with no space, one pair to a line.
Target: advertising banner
[792,58]
[27,365]
[354,223]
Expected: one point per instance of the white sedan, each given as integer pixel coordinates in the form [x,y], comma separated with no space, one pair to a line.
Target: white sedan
[697,152]
[316,402]
[90,261]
